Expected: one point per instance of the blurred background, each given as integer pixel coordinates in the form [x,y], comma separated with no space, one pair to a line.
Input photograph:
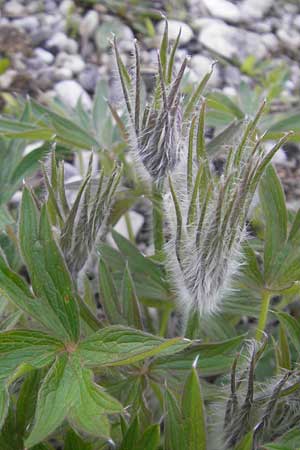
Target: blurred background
[59,51]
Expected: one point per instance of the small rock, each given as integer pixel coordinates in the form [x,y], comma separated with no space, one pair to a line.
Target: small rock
[66,7]
[89,24]
[270,41]
[289,38]
[261,27]
[50,6]
[88,78]
[62,73]
[34,64]
[45,78]
[73,62]
[13,8]
[231,42]
[174,27]
[70,92]
[44,56]
[200,66]
[34,6]
[63,43]
[232,75]
[202,22]
[223,9]
[297,22]
[40,36]
[29,23]
[13,40]
[7,78]
[107,29]
[255,9]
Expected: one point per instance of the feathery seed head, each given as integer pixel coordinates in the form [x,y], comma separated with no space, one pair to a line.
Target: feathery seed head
[209,217]
[155,129]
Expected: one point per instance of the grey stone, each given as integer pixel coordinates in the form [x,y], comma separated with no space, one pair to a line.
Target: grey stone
[62,73]
[50,6]
[43,55]
[13,8]
[107,29]
[7,78]
[270,41]
[30,23]
[89,24]
[70,92]
[223,9]
[88,78]
[61,41]
[40,36]
[73,62]
[297,21]
[66,7]
[289,38]
[174,27]
[34,6]
[200,65]
[255,9]
[231,42]
[45,78]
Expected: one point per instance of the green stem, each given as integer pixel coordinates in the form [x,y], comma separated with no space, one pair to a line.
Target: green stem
[192,325]
[158,220]
[262,320]
[164,322]
[129,227]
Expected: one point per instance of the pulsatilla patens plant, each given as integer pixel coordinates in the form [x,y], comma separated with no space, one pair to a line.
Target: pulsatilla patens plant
[210,214]
[89,353]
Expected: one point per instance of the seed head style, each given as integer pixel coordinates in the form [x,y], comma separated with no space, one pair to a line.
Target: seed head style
[85,222]
[155,128]
[209,216]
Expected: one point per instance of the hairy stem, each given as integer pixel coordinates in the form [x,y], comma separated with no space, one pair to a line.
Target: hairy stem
[262,320]
[158,220]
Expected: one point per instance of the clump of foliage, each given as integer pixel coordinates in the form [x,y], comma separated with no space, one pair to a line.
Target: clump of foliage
[104,347]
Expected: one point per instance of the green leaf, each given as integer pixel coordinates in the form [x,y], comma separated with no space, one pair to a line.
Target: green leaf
[131,436]
[30,347]
[193,413]
[290,440]
[74,442]
[48,272]
[222,102]
[150,439]
[275,213]
[4,404]
[66,130]
[4,65]
[117,346]
[14,289]
[88,413]
[173,432]
[29,163]
[284,350]
[57,394]
[224,139]
[184,360]
[246,443]
[292,327]
[130,302]
[9,438]
[26,403]
[109,295]
[136,261]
